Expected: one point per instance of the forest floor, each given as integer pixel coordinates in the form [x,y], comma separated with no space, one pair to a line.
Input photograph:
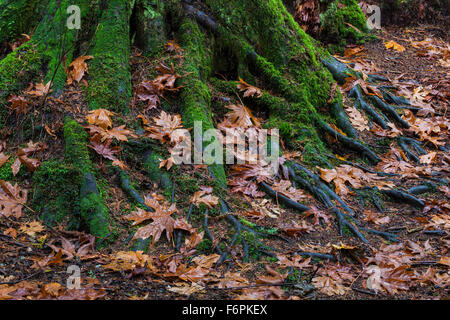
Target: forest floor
[34,258]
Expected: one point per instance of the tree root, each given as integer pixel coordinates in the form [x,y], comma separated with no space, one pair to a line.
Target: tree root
[411,156]
[92,208]
[389,110]
[317,255]
[422,188]
[350,143]
[258,245]
[278,196]
[126,185]
[356,93]
[324,194]
[402,196]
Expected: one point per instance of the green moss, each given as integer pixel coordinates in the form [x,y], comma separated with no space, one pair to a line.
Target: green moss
[93,211]
[204,246]
[76,151]
[18,17]
[156,174]
[195,100]
[6,171]
[55,195]
[95,215]
[110,77]
[149,28]
[18,68]
[333,28]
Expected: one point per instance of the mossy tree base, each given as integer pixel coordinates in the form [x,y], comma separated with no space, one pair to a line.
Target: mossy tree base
[258,41]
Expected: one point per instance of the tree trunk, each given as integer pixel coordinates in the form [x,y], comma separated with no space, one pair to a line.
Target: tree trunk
[258,41]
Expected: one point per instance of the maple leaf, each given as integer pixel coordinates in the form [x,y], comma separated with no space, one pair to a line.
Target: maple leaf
[118,133]
[85,250]
[357,119]
[164,128]
[232,280]
[295,229]
[120,164]
[354,176]
[32,228]
[374,217]
[187,289]
[104,149]
[352,51]
[3,158]
[318,214]
[246,187]
[274,277]
[246,171]
[204,196]
[250,90]
[296,262]
[206,262]
[351,82]
[394,45]
[31,164]
[388,279]
[77,69]
[12,199]
[162,221]
[40,89]
[18,104]
[428,158]
[168,163]
[146,92]
[128,260]
[285,188]
[241,116]
[329,286]
[392,132]
[101,118]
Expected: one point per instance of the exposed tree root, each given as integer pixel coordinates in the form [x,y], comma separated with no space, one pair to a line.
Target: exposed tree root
[92,208]
[402,196]
[285,200]
[131,191]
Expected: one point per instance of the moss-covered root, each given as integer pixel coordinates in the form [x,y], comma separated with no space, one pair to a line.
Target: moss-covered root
[148,23]
[342,21]
[110,77]
[195,96]
[54,196]
[43,52]
[18,17]
[158,176]
[93,211]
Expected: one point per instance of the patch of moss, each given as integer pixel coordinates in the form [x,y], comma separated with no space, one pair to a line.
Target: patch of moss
[335,22]
[195,100]
[6,171]
[110,77]
[17,69]
[18,17]
[93,211]
[204,246]
[56,192]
